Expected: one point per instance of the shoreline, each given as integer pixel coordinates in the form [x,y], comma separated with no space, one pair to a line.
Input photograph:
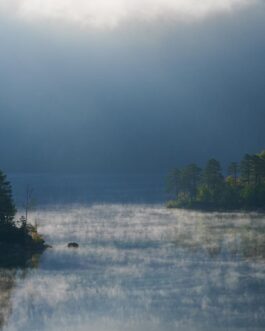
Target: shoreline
[170,205]
[18,255]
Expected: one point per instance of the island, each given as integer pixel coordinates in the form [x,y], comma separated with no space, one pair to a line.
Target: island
[243,188]
[20,242]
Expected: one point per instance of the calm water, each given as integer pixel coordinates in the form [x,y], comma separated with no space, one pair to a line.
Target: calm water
[139,267]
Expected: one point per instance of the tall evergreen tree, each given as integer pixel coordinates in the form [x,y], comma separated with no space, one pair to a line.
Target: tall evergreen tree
[174,182]
[233,169]
[212,176]
[190,178]
[257,169]
[245,169]
[7,207]
[262,165]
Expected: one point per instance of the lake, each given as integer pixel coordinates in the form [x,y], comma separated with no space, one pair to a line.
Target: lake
[139,267]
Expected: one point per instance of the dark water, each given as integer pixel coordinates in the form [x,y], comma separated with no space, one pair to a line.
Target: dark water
[89,189]
[139,266]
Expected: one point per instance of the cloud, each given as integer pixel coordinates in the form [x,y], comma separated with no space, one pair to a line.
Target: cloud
[110,13]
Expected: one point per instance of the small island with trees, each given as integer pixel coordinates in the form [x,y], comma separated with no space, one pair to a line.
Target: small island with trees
[19,240]
[208,189]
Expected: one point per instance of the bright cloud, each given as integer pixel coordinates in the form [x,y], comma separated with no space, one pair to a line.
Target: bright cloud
[110,13]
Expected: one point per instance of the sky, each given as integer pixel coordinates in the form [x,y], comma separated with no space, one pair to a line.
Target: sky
[129,86]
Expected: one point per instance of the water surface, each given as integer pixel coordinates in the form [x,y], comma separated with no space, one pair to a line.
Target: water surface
[139,266]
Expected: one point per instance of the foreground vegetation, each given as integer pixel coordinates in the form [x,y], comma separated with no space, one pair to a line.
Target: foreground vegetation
[208,189]
[18,239]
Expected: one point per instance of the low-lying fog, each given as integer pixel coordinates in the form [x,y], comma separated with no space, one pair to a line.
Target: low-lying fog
[143,268]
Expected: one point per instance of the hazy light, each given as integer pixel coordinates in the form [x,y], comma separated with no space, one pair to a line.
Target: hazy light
[110,13]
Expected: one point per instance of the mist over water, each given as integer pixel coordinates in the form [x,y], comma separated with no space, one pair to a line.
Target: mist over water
[124,87]
[139,266]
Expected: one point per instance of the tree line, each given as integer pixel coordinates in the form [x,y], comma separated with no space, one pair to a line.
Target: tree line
[12,230]
[243,186]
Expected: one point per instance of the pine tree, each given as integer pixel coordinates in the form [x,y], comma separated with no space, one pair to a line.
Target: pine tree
[7,207]
[174,182]
[190,178]
[233,169]
[245,169]
[212,176]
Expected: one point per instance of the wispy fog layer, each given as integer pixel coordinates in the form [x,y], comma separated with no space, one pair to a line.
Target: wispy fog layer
[144,268]
[110,13]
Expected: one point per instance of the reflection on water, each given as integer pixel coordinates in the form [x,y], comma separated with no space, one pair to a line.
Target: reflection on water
[7,279]
[142,267]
